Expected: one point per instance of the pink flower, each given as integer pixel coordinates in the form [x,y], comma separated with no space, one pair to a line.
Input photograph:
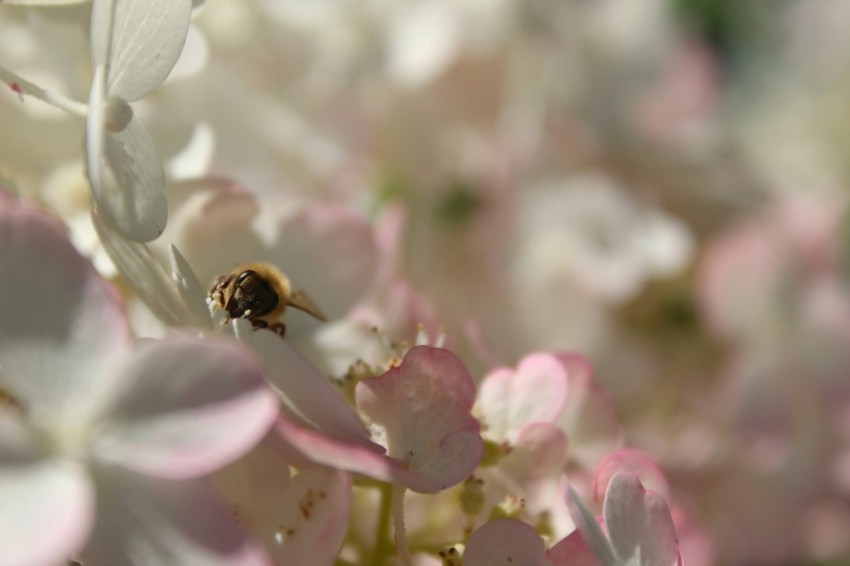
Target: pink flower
[420,411]
[102,440]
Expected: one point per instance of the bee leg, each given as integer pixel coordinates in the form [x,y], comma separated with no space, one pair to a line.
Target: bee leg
[278,328]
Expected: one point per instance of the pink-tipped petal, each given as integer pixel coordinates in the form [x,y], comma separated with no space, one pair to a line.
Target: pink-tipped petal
[423,406]
[639,523]
[59,320]
[46,504]
[591,532]
[307,447]
[307,395]
[144,521]
[630,460]
[186,407]
[504,542]
[535,392]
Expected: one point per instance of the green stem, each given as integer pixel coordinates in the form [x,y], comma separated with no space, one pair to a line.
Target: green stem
[383,542]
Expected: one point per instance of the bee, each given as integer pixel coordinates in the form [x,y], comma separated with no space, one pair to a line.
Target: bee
[260,293]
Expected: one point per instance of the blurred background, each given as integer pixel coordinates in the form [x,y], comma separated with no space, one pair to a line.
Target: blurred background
[658,184]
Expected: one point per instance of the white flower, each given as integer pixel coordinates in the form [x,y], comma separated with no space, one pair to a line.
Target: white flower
[135,44]
[101,441]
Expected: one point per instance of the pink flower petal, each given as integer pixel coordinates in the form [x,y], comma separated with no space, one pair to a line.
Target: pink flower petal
[46,505]
[630,460]
[307,395]
[300,521]
[187,407]
[572,551]
[309,447]
[504,542]
[639,523]
[424,408]
[535,392]
[144,521]
[59,320]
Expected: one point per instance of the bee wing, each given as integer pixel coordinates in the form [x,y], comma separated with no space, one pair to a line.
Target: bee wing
[300,300]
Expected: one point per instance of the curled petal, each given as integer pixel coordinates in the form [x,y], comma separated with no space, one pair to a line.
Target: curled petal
[639,523]
[504,542]
[185,408]
[307,395]
[591,532]
[127,180]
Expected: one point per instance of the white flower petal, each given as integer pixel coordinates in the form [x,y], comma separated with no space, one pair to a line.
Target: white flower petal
[142,521]
[59,320]
[188,407]
[146,38]
[127,182]
[190,289]
[144,274]
[46,504]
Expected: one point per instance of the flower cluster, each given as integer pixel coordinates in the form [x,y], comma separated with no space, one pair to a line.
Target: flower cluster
[423,282]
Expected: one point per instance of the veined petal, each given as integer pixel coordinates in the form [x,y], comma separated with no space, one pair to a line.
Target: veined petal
[186,408]
[590,529]
[535,392]
[504,542]
[127,180]
[144,274]
[46,504]
[139,42]
[59,320]
[424,407]
[144,521]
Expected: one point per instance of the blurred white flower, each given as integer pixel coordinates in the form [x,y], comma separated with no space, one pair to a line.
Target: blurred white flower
[98,437]
[587,230]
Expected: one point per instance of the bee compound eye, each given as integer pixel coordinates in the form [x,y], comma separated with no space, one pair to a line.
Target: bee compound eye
[244,276]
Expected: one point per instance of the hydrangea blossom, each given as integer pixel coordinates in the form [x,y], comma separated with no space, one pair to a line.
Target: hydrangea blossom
[103,439]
